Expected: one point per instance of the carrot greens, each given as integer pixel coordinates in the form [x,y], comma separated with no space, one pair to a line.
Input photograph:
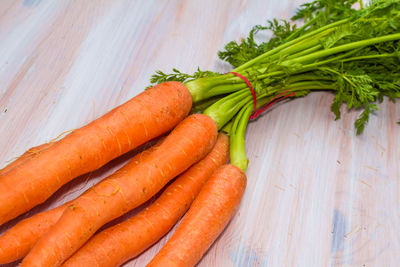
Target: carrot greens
[340,46]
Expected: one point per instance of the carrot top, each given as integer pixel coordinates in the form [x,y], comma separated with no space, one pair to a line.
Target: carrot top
[337,48]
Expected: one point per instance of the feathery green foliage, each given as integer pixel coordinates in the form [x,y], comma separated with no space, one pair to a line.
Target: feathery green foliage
[336,45]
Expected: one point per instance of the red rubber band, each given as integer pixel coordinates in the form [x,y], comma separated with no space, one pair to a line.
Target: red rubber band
[257,112]
[272,102]
[253,92]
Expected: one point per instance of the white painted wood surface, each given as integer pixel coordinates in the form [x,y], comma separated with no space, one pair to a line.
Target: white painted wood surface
[317,194]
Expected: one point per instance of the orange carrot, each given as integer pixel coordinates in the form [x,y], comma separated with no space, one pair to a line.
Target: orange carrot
[142,118]
[19,240]
[189,142]
[30,153]
[205,220]
[126,240]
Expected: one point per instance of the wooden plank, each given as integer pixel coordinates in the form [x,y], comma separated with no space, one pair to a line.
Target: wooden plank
[317,195]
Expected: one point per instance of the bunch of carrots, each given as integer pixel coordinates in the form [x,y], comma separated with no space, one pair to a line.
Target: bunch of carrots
[205,116]
[193,152]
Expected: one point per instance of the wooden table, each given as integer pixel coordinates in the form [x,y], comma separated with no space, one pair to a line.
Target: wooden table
[317,195]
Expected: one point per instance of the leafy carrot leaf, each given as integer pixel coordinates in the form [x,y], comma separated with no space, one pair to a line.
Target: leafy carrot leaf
[364,117]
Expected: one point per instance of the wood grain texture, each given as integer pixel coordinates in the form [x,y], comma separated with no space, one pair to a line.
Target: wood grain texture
[317,194]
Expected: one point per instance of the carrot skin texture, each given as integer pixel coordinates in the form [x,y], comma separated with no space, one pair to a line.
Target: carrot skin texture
[30,153]
[139,120]
[205,220]
[189,142]
[124,241]
[19,240]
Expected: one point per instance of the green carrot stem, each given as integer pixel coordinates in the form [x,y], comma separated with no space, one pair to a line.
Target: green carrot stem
[385,55]
[342,48]
[302,28]
[226,108]
[306,52]
[237,138]
[328,28]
